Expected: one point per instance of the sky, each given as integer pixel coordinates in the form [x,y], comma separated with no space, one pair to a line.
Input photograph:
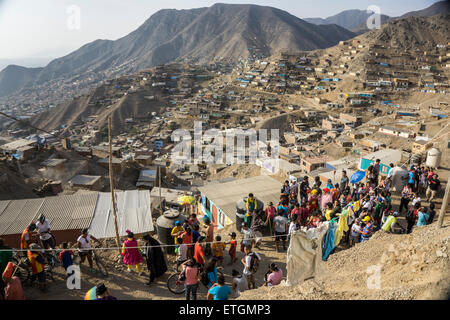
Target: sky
[47,29]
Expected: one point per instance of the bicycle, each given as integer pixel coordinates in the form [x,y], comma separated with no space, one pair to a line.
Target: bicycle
[176,285]
[23,265]
[97,260]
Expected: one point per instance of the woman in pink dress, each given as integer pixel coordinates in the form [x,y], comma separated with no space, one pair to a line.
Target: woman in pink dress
[131,254]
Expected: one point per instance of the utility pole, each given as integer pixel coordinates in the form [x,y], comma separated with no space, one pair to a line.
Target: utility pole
[444,204]
[111,182]
[159,184]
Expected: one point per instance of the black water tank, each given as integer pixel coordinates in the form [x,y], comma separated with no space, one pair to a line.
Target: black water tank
[164,225]
[241,210]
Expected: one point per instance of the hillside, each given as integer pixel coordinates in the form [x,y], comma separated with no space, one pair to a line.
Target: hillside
[14,77]
[223,30]
[413,266]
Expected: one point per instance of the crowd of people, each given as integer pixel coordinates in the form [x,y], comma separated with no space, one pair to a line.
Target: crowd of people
[354,211]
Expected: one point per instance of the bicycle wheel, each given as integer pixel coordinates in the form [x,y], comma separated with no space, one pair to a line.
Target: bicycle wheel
[101,266]
[174,285]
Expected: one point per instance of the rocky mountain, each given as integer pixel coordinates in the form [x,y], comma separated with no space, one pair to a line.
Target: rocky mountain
[223,30]
[441,7]
[356,20]
[13,77]
[349,19]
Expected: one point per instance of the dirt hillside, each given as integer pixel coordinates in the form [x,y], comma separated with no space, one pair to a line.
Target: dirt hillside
[413,266]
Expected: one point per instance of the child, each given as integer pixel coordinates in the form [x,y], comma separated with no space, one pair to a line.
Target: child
[354,233]
[233,246]
[66,256]
[182,252]
[131,254]
[193,221]
[218,248]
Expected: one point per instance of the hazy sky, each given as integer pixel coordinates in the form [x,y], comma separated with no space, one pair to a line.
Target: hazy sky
[50,28]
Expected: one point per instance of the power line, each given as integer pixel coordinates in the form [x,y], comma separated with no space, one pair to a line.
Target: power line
[28,124]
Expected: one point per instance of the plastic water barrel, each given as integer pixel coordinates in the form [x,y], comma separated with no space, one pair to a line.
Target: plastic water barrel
[164,225]
[434,158]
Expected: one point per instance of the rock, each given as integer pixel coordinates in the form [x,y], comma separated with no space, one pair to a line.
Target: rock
[439,253]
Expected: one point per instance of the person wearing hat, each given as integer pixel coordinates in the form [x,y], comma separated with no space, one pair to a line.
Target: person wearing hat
[27,237]
[251,205]
[366,232]
[233,246]
[102,293]
[176,231]
[131,254]
[37,262]
[43,227]
[247,236]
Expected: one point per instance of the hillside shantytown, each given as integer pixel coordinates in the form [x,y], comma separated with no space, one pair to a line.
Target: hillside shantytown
[89,185]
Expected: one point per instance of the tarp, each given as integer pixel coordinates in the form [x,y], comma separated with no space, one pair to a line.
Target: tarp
[133,213]
[304,255]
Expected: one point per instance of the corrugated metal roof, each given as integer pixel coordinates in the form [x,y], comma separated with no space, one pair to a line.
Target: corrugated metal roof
[63,212]
[69,212]
[133,212]
[18,215]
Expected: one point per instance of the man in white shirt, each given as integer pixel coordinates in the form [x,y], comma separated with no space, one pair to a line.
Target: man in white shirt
[182,252]
[43,227]
[248,235]
[84,245]
[280,224]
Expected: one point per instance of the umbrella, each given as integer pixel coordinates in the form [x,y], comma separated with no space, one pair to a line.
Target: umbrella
[357,176]
[185,200]
[90,295]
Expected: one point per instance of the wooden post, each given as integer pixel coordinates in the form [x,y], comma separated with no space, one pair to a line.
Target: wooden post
[159,185]
[111,182]
[444,205]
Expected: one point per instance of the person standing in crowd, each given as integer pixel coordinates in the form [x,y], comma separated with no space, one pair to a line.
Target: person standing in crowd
[274,276]
[195,233]
[376,169]
[367,230]
[187,237]
[211,272]
[233,247]
[280,224]
[412,179]
[411,217]
[131,254]
[6,256]
[66,257]
[344,180]
[271,213]
[247,236]
[431,213]
[181,251]
[209,236]
[217,248]
[355,233]
[406,197]
[192,276]
[85,247]
[176,231]
[295,224]
[156,263]
[27,236]
[199,254]
[313,201]
[304,187]
[433,187]
[251,206]
[37,262]
[285,190]
[220,291]
[293,188]
[391,224]
[239,283]
[43,227]
[251,265]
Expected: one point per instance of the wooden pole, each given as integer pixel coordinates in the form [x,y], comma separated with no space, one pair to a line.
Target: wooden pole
[111,182]
[159,185]
[444,204]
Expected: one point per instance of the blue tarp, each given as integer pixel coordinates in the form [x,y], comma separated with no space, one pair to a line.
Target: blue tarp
[357,176]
